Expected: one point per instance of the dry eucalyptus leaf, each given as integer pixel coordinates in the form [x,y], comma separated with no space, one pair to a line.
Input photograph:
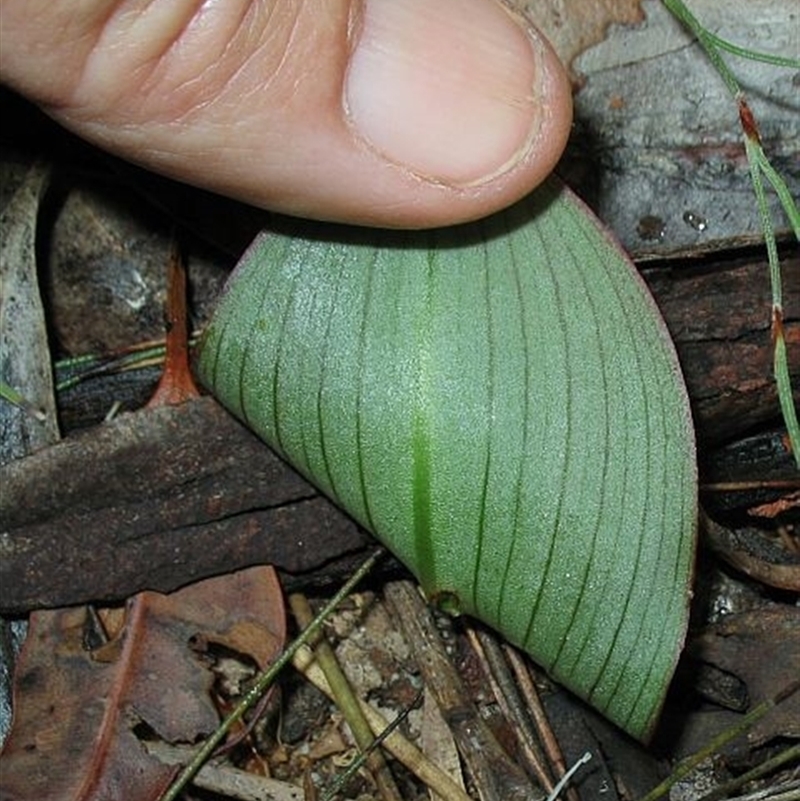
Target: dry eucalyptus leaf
[762,648]
[577,25]
[80,711]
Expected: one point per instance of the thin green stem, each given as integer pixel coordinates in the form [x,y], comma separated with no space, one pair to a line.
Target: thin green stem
[756,158]
[759,166]
[752,55]
[97,366]
[82,368]
[766,222]
[347,702]
[10,395]
[781,190]
[679,10]
[726,790]
[362,757]
[717,743]
[784,382]
[264,680]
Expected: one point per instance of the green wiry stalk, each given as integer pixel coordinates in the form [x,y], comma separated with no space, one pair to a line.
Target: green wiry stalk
[780,359]
[760,166]
[10,395]
[720,740]
[359,761]
[753,55]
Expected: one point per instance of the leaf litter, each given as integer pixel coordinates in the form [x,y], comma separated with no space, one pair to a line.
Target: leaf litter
[737,646]
[82,712]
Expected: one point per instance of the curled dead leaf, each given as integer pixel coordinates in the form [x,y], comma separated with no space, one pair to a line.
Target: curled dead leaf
[79,721]
[577,26]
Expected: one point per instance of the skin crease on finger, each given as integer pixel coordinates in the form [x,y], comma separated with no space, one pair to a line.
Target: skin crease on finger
[249,98]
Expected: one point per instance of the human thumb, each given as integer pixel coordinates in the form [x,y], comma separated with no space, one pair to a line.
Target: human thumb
[406,113]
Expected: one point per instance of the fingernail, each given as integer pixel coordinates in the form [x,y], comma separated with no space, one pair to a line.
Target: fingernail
[449,89]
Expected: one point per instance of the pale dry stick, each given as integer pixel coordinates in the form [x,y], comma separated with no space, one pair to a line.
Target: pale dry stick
[395,743]
[531,695]
[508,698]
[223,779]
[347,701]
[743,486]
[437,741]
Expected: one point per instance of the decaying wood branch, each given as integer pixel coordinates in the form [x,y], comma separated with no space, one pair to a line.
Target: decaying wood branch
[719,318]
[154,500]
[497,777]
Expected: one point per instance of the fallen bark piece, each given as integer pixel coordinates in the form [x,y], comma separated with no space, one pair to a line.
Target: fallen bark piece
[155,500]
[717,312]
[719,318]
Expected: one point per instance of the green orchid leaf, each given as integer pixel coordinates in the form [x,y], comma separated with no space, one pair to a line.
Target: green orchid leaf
[501,405]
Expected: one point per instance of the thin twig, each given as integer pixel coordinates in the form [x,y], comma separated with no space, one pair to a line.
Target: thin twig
[510,702]
[546,734]
[724,737]
[371,749]
[726,790]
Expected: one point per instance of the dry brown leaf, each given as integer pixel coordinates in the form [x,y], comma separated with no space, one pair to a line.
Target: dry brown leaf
[762,648]
[770,560]
[79,718]
[575,26]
